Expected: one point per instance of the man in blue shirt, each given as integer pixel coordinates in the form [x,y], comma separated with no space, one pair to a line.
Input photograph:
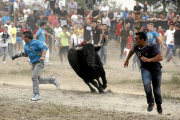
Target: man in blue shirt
[152,35]
[144,17]
[5,17]
[41,36]
[36,51]
[125,13]
[48,13]
[149,56]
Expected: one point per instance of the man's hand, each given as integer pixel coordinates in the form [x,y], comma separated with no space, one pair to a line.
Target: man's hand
[20,54]
[144,59]
[61,46]
[126,63]
[41,59]
[164,47]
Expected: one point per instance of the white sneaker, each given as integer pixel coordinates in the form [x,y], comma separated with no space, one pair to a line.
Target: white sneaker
[56,83]
[29,61]
[4,62]
[48,63]
[36,97]
[131,69]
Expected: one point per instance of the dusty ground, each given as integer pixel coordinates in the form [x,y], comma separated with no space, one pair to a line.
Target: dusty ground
[125,98]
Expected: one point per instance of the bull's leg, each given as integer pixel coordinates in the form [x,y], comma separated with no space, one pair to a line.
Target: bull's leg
[100,85]
[103,76]
[91,88]
[96,85]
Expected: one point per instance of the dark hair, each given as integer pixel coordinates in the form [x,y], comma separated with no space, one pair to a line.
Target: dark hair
[28,34]
[137,28]
[142,35]
[94,21]
[5,27]
[65,26]
[42,24]
[178,25]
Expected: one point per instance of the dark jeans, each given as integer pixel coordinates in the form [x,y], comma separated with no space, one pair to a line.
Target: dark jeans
[123,45]
[155,78]
[90,6]
[174,49]
[50,44]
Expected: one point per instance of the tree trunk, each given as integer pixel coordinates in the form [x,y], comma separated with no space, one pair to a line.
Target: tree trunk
[164,7]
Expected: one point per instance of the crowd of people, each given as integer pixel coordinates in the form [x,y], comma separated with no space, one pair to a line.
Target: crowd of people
[65,26]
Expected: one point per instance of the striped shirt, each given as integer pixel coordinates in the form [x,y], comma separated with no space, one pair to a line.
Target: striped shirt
[21,4]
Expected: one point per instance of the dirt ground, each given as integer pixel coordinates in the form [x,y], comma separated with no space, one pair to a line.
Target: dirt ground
[125,98]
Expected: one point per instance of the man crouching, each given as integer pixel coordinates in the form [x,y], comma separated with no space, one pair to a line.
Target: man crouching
[36,51]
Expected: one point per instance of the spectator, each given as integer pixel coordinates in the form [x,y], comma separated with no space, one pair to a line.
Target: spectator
[73,39]
[161,35]
[123,39]
[80,11]
[88,36]
[177,18]
[98,24]
[90,17]
[145,7]
[86,13]
[129,45]
[62,3]
[11,7]
[2,28]
[52,3]
[57,31]
[63,17]
[50,30]
[69,17]
[18,36]
[130,20]
[170,16]
[23,30]
[72,5]
[5,4]
[21,5]
[38,14]
[118,33]
[144,17]
[90,4]
[55,21]
[40,21]
[151,15]
[137,12]
[112,22]
[31,21]
[8,24]
[16,10]
[27,10]
[56,10]
[79,20]
[80,33]
[95,13]
[10,43]
[21,19]
[51,18]
[5,17]
[161,17]
[125,13]
[74,17]
[63,41]
[117,16]
[48,13]
[106,20]
[132,14]
[96,33]
[36,6]
[105,8]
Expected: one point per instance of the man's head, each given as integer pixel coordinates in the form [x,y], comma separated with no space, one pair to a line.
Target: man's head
[6,13]
[64,28]
[26,7]
[56,6]
[94,24]
[79,6]
[131,33]
[105,15]
[17,1]
[43,25]
[146,2]
[126,9]
[136,30]
[58,25]
[104,3]
[62,8]
[97,7]
[49,9]
[72,31]
[155,29]
[12,24]
[79,16]
[159,28]
[101,26]
[27,36]
[88,21]
[151,14]
[170,11]
[48,24]
[5,29]
[18,23]
[110,11]
[98,22]
[118,11]
[177,26]
[19,14]
[80,26]
[41,17]
[75,12]
[137,3]
[26,25]
[151,26]
[72,10]
[7,22]
[171,27]
[121,21]
[72,1]
[104,27]
[129,16]
[52,13]
[32,13]
[140,39]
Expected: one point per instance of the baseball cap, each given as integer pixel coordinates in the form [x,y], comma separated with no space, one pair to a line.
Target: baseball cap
[99,21]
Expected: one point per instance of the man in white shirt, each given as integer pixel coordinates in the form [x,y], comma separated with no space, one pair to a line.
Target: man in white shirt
[169,36]
[26,10]
[118,15]
[73,39]
[62,3]
[74,17]
[16,5]
[36,6]
[106,20]
[105,8]
[8,25]
[57,31]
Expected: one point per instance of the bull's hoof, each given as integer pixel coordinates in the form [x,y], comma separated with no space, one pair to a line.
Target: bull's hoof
[103,92]
[104,86]
[93,91]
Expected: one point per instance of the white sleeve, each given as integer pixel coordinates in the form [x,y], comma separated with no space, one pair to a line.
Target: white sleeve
[166,33]
[1,36]
[11,38]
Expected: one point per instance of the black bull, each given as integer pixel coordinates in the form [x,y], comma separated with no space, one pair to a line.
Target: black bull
[87,64]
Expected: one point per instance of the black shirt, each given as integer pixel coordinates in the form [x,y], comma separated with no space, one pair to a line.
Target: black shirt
[18,30]
[81,12]
[87,32]
[57,11]
[124,34]
[137,9]
[131,21]
[102,41]
[63,14]
[96,35]
[149,51]
[145,8]
[95,13]
[49,30]
[177,37]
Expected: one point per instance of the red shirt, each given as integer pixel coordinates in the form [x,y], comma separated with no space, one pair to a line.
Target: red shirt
[129,42]
[1,30]
[69,16]
[119,26]
[51,18]
[162,32]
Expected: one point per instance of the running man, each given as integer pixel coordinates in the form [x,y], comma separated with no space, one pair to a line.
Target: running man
[149,56]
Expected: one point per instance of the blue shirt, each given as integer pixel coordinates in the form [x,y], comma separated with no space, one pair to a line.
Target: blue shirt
[150,51]
[152,36]
[125,14]
[4,19]
[41,35]
[12,5]
[47,13]
[37,46]
[144,18]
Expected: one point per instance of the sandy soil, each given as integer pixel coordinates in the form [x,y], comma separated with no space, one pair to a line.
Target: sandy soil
[125,98]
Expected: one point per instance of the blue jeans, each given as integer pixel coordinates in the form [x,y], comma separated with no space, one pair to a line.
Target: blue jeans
[147,77]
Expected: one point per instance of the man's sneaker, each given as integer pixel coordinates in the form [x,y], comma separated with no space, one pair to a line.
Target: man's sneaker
[159,108]
[36,97]
[48,63]
[56,83]
[150,107]
[29,61]
[4,62]
[131,69]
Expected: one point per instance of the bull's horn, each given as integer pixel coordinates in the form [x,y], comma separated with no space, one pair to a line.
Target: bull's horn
[77,48]
[100,44]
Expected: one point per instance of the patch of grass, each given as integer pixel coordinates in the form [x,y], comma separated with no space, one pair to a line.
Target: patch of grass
[169,95]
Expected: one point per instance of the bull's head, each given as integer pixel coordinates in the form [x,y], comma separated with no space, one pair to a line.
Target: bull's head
[89,51]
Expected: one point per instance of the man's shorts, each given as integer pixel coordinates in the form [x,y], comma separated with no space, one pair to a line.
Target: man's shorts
[19,39]
[117,39]
[170,47]
[64,49]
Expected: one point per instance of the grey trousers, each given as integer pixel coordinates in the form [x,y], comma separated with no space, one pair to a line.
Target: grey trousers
[36,79]
[136,59]
[10,49]
[3,51]
[103,53]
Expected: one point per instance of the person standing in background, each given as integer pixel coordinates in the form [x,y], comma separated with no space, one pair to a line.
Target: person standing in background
[18,36]
[11,44]
[36,6]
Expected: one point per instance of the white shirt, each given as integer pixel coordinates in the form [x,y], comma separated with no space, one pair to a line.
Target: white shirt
[9,27]
[105,8]
[170,37]
[16,5]
[36,7]
[74,38]
[2,44]
[74,18]
[62,3]
[118,16]
[106,21]
[57,31]
[25,11]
